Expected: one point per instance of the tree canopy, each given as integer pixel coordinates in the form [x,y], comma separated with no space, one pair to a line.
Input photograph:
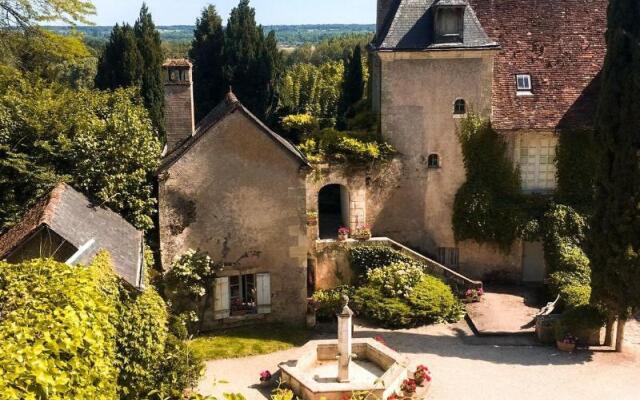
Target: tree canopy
[103,143]
[121,63]
[25,13]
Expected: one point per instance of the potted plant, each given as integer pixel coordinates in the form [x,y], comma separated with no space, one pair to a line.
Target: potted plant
[473,295]
[265,378]
[312,218]
[362,233]
[422,375]
[312,308]
[567,343]
[343,233]
[409,387]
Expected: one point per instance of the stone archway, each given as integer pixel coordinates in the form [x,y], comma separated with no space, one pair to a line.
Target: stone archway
[333,210]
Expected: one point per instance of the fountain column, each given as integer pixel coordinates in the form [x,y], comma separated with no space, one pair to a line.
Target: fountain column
[344,341]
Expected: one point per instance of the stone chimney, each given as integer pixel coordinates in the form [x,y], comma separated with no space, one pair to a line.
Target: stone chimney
[384,8]
[178,94]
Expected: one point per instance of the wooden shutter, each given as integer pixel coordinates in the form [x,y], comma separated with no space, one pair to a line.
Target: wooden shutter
[221,306]
[263,289]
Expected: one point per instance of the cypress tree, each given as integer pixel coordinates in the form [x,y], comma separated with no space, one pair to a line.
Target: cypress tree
[251,60]
[151,86]
[208,62]
[352,85]
[120,64]
[615,234]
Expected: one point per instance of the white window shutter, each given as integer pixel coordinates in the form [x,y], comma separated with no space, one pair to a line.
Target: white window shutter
[221,306]
[263,288]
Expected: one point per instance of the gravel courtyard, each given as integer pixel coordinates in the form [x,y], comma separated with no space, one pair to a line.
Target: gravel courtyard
[465,366]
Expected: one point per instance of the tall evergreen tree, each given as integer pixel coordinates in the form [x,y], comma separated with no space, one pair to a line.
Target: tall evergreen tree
[208,62]
[151,86]
[352,85]
[251,60]
[121,63]
[615,235]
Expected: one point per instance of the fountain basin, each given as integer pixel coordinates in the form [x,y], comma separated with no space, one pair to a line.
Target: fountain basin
[375,368]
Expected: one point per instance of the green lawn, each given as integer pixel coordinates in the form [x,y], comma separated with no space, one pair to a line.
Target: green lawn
[248,341]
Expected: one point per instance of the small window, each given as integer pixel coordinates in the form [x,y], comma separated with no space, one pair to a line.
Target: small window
[460,107]
[449,257]
[242,294]
[523,82]
[433,161]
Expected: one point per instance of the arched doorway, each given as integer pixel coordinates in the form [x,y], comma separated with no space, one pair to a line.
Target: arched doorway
[333,210]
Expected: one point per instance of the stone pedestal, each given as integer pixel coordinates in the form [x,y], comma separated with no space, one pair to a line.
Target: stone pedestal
[344,343]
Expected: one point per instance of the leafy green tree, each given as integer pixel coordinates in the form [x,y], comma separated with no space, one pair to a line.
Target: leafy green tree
[328,50]
[25,13]
[251,60]
[103,143]
[121,64]
[313,90]
[151,85]
[207,53]
[615,233]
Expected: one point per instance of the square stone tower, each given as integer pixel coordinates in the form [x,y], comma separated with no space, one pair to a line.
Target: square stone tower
[179,107]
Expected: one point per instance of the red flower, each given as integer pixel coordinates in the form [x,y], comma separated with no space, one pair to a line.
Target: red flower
[409,386]
[394,396]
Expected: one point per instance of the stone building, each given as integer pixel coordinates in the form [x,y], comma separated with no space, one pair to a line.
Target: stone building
[234,188]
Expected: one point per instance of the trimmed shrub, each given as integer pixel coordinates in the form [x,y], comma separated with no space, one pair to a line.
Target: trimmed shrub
[57,340]
[329,302]
[364,258]
[433,301]
[396,280]
[580,322]
[389,312]
[83,333]
[575,295]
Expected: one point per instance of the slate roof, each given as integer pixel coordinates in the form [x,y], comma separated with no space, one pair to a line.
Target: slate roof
[409,27]
[228,106]
[561,44]
[76,219]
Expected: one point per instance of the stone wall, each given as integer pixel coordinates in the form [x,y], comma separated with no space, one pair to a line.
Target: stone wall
[235,191]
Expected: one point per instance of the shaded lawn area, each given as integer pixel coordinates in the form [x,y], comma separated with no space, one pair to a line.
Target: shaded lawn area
[248,341]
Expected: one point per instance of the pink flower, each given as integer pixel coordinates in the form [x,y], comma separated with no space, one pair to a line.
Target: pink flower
[265,376]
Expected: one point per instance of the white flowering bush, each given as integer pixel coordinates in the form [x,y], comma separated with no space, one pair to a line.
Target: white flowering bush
[397,279]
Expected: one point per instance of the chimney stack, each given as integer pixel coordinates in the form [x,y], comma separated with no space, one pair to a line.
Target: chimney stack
[179,107]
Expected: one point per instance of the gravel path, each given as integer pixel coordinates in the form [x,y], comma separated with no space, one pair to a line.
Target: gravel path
[467,367]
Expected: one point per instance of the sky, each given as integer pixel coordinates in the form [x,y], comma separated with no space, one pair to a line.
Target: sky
[268,12]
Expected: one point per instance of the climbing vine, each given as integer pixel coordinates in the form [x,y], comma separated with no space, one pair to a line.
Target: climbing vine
[487,207]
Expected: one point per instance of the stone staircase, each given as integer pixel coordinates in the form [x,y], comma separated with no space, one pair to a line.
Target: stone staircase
[459,281]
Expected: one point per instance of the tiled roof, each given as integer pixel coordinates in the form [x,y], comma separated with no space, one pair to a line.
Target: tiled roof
[76,219]
[177,62]
[561,44]
[229,105]
[410,28]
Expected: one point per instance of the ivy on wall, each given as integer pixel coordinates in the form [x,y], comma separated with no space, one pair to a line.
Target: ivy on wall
[487,206]
[576,159]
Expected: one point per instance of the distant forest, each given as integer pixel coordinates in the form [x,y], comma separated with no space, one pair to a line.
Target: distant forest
[288,35]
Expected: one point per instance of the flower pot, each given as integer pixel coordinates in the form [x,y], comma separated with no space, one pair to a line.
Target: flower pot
[566,347]
[342,237]
[312,221]
[363,237]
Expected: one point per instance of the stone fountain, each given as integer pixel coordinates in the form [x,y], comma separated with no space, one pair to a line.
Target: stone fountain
[331,369]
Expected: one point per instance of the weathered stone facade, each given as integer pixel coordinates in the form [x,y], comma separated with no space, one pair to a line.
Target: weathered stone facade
[237,191]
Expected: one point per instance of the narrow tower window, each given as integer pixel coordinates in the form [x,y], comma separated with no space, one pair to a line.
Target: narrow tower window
[460,107]
[433,161]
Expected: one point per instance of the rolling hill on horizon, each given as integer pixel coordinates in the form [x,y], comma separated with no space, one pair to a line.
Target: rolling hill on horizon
[288,35]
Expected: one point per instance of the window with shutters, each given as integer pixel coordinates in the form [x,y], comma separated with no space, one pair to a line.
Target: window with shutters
[537,164]
[240,295]
[449,24]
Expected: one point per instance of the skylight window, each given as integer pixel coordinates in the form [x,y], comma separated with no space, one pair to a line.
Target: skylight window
[523,83]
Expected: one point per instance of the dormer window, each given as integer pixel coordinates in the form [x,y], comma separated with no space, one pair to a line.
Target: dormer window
[449,21]
[523,83]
